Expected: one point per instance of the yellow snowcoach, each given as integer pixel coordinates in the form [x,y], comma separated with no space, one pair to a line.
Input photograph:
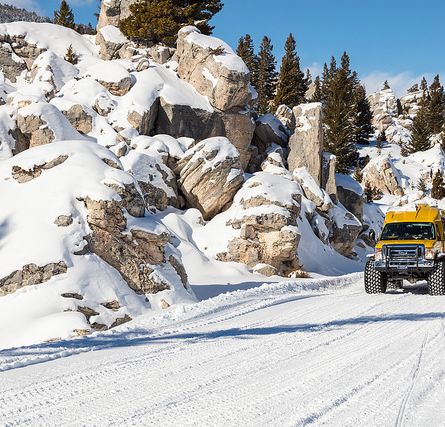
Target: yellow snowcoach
[411,247]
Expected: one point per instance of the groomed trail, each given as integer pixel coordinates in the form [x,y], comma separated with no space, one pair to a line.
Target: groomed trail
[318,352]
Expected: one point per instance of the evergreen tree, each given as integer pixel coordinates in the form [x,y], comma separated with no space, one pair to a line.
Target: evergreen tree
[420,130]
[413,88]
[436,107]
[421,185]
[308,77]
[156,21]
[386,85]
[363,116]
[325,80]
[339,114]
[267,76]
[292,84]
[64,16]
[318,93]
[246,51]
[71,56]
[199,13]
[438,188]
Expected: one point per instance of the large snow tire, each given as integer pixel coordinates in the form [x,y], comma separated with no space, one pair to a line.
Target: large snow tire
[375,281]
[436,279]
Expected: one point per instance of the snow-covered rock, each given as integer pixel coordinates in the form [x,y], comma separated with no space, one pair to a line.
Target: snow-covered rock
[306,143]
[383,106]
[42,123]
[75,234]
[382,175]
[210,176]
[211,66]
[264,213]
[110,40]
[350,195]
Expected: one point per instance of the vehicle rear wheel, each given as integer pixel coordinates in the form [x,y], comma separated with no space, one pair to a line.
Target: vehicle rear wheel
[375,281]
[436,279]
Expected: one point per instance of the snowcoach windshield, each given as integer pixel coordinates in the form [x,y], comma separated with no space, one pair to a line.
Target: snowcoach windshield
[408,231]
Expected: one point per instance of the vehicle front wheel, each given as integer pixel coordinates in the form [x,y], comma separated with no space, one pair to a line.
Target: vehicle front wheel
[375,281]
[436,279]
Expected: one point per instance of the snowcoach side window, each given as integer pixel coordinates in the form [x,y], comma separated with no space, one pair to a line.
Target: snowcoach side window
[409,231]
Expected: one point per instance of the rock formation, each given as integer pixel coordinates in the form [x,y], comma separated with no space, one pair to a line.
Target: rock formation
[210,175]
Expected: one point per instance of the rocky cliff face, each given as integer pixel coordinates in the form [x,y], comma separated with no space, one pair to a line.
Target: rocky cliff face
[108,151]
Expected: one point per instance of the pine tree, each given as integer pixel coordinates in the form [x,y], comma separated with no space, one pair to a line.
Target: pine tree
[438,188]
[292,84]
[318,93]
[71,56]
[156,21]
[199,13]
[421,185]
[267,76]
[339,115]
[420,130]
[308,77]
[386,85]
[246,51]
[325,81]
[436,107]
[64,16]
[363,116]
[413,88]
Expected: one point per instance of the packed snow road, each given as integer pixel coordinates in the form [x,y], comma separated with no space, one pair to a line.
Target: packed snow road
[320,352]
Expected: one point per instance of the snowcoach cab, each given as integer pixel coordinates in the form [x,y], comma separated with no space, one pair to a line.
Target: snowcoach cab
[411,247]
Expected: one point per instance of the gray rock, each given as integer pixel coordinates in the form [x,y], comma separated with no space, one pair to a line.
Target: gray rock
[306,143]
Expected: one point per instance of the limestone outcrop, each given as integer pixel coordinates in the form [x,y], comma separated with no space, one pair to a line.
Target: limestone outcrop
[306,143]
[210,175]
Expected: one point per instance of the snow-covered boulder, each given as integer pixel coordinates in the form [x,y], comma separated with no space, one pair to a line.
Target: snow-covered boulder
[285,115]
[41,123]
[110,40]
[11,65]
[312,190]
[411,103]
[269,130]
[381,174]
[264,214]
[383,106]
[328,181]
[350,195]
[306,143]
[75,233]
[210,176]
[160,53]
[156,181]
[51,72]
[211,66]
[112,75]
[345,230]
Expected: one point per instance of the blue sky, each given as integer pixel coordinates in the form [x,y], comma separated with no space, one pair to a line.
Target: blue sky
[399,40]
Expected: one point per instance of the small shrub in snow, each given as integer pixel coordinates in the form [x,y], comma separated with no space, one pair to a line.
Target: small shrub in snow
[71,56]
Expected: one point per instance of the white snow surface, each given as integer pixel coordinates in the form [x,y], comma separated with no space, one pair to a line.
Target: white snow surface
[49,36]
[294,353]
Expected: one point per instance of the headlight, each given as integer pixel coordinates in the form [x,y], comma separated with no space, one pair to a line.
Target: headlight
[378,254]
[430,253]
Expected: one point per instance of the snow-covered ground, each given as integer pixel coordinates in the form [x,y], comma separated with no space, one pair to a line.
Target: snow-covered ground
[318,352]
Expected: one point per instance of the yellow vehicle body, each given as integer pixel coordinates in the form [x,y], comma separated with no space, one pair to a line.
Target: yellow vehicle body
[411,247]
[423,213]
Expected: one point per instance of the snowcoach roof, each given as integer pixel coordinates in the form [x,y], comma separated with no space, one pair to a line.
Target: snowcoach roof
[422,213]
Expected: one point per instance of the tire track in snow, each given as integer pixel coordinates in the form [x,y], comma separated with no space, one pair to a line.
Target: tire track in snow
[402,411]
